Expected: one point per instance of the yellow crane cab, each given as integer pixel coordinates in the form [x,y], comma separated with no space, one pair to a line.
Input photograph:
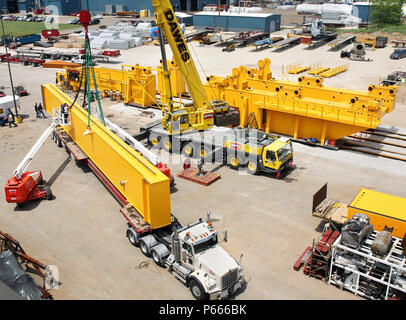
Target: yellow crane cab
[277,155]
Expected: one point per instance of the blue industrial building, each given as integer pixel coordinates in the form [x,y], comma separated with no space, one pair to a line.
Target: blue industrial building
[131,5]
[238,22]
[65,7]
[62,7]
[362,10]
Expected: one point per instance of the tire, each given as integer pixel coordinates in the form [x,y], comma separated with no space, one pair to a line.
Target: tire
[203,152]
[197,291]
[156,141]
[59,142]
[188,150]
[20,205]
[48,192]
[144,248]
[167,144]
[233,161]
[157,259]
[252,167]
[132,238]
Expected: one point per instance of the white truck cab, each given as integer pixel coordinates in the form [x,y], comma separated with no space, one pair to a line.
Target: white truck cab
[213,273]
[193,255]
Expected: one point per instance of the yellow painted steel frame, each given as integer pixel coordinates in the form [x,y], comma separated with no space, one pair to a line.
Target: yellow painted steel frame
[136,84]
[304,109]
[178,85]
[144,186]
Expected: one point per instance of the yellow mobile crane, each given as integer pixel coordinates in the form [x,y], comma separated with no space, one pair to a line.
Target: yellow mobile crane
[199,128]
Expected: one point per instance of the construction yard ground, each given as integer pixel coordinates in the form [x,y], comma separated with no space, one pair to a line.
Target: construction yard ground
[268,220]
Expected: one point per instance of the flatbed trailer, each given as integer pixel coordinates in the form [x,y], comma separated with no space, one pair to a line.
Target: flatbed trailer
[170,246]
[21,59]
[340,42]
[246,38]
[290,41]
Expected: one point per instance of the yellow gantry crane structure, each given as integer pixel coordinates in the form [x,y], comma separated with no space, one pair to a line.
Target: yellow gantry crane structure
[136,84]
[142,184]
[302,109]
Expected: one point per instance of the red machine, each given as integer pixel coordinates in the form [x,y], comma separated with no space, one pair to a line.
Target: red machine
[26,186]
[29,187]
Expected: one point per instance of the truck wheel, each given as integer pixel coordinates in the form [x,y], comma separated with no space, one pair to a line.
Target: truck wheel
[203,152]
[157,259]
[59,142]
[167,144]
[187,150]
[48,193]
[132,238]
[143,247]
[156,141]
[233,161]
[252,167]
[197,290]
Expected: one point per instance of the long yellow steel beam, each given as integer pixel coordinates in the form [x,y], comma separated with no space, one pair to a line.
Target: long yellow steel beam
[143,185]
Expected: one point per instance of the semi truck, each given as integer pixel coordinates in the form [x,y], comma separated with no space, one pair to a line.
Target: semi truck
[192,254]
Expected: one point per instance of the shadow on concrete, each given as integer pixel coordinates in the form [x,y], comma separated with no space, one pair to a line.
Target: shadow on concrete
[58,172]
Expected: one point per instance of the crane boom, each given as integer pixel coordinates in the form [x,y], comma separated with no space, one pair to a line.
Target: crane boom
[22,167]
[167,21]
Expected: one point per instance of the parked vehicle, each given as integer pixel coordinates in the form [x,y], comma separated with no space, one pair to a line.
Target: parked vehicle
[398,54]
[95,21]
[2,94]
[20,91]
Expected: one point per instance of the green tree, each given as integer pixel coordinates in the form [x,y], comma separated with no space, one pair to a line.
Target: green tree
[386,12]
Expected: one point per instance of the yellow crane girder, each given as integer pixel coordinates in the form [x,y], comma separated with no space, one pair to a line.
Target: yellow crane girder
[144,186]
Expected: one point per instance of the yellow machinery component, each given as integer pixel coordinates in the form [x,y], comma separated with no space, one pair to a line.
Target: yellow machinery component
[385,210]
[178,85]
[317,71]
[303,109]
[167,21]
[136,84]
[368,41]
[296,68]
[144,186]
[334,71]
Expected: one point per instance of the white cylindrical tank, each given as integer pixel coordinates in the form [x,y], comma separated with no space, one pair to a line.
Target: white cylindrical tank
[337,8]
[308,8]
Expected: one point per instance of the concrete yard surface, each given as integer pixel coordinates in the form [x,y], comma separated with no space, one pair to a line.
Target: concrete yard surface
[268,220]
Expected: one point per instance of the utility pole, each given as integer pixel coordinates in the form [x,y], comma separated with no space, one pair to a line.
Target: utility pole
[8,64]
[219,13]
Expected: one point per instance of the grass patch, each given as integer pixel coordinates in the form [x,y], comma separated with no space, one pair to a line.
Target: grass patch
[22,28]
[371,29]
